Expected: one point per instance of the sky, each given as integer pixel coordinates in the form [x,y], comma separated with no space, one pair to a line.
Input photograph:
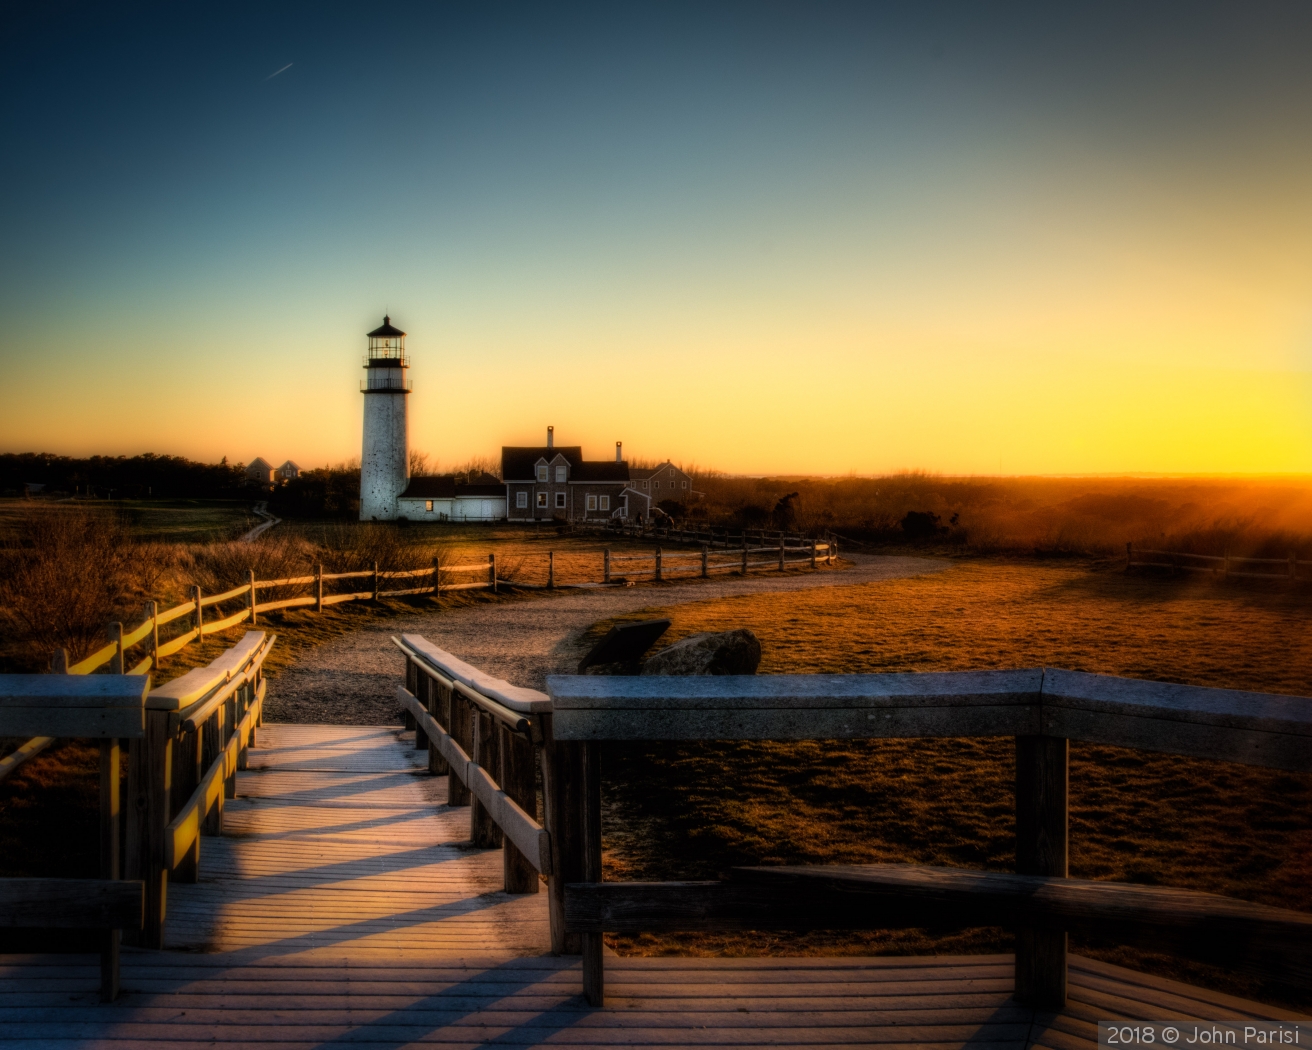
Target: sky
[801,238]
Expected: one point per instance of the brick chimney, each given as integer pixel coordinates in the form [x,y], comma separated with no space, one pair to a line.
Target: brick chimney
[551,437]
[618,457]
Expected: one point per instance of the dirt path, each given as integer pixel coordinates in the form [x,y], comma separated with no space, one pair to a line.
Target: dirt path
[352,680]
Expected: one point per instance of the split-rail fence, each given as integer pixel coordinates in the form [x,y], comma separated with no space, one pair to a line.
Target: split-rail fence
[1225,565]
[488,736]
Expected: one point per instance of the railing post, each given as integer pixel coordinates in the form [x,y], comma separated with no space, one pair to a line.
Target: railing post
[551,570]
[199,618]
[419,691]
[561,780]
[251,574]
[150,780]
[658,565]
[516,777]
[437,763]
[594,971]
[187,771]
[462,732]
[407,719]
[492,572]
[483,830]
[318,587]
[605,566]
[210,748]
[152,610]
[110,866]
[116,639]
[705,554]
[1042,787]
[227,727]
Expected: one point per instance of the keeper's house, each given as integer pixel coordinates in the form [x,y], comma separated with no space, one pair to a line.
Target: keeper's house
[548,482]
[449,497]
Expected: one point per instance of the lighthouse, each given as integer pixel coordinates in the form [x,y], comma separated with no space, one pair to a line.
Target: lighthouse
[384,458]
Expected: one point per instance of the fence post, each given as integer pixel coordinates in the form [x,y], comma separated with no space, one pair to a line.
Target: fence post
[1042,784]
[658,565]
[251,573]
[109,861]
[516,777]
[152,610]
[437,577]
[783,549]
[551,570]
[483,830]
[813,553]
[705,553]
[199,620]
[116,639]
[462,732]
[744,553]
[833,549]
[594,971]
[318,587]
[492,572]
[375,582]
[150,780]
[605,566]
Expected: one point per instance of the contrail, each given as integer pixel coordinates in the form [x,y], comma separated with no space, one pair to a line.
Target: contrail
[283,70]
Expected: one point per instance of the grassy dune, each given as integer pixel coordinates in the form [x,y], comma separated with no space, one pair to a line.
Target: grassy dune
[694,810]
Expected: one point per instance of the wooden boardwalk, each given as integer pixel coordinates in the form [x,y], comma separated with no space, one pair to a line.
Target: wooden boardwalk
[342,908]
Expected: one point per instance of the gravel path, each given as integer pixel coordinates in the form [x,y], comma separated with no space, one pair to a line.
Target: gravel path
[352,680]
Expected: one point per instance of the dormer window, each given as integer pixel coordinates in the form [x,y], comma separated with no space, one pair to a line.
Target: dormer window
[542,473]
[560,475]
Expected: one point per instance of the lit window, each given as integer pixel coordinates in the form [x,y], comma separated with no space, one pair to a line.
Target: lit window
[542,472]
[560,475]
[542,499]
[521,499]
[560,501]
[605,503]
[428,506]
[592,503]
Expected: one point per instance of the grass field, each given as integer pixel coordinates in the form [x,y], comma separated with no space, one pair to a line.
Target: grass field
[688,811]
[151,521]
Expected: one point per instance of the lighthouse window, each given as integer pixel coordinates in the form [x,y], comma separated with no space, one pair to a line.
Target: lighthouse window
[542,472]
[560,500]
[542,499]
[521,499]
[560,475]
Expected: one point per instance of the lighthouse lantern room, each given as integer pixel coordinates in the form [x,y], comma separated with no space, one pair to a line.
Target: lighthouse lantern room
[384,458]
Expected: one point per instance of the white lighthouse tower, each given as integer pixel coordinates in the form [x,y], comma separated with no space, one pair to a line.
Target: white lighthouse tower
[385,457]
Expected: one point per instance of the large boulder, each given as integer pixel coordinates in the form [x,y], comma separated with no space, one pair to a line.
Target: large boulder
[728,652]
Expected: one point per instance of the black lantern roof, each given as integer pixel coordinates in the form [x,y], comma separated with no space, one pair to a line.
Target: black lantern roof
[385,329]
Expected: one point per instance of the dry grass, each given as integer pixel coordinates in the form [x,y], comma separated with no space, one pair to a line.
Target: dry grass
[694,810]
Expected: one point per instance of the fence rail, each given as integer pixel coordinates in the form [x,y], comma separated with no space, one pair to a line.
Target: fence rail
[1225,565]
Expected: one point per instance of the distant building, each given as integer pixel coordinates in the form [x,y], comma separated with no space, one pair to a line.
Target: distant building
[664,482]
[448,497]
[289,471]
[545,482]
[259,472]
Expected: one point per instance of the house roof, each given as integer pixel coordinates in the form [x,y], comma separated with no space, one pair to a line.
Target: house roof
[601,470]
[434,486]
[517,462]
[289,463]
[385,329]
[644,473]
[445,486]
[259,463]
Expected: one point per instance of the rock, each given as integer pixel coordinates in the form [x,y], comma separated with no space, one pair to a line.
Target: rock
[729,652]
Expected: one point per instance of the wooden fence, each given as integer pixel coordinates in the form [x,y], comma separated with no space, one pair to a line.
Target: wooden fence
[186,740]
[487,735]
[1219,564]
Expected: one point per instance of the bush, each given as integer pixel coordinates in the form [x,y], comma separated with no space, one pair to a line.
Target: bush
[921,525]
